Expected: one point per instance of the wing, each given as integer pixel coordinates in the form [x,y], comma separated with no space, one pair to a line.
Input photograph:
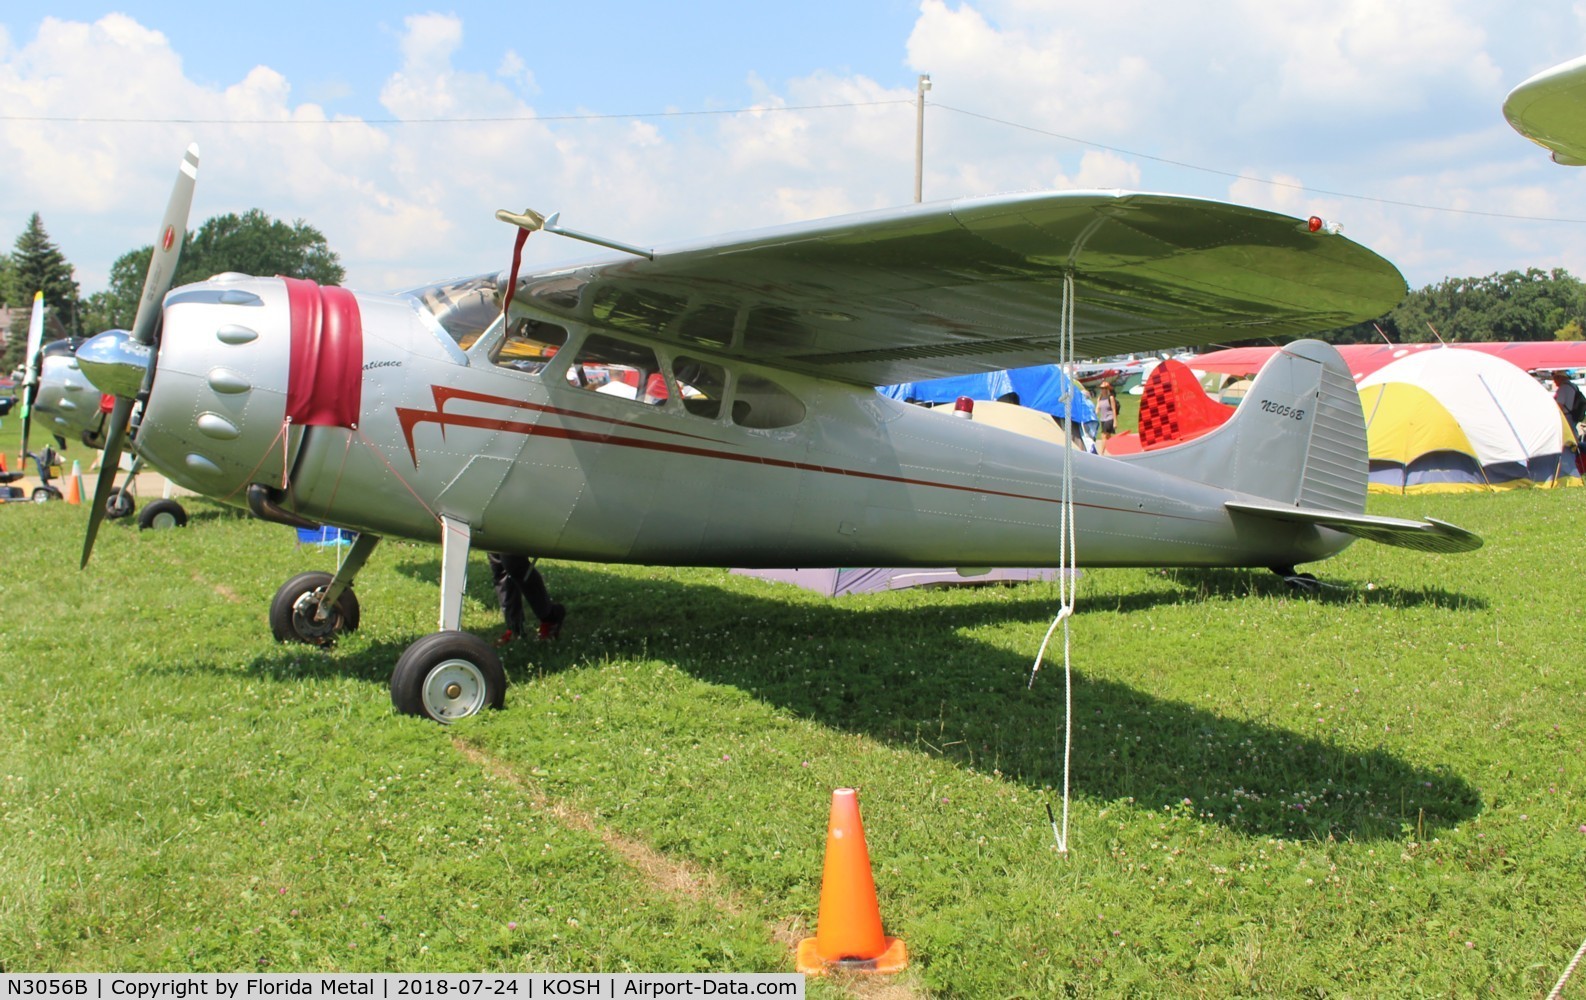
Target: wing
[1430,535]
[934,290]
[1550,110]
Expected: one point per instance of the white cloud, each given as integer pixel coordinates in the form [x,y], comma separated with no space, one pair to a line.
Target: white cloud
[1364,56]
[1392,101]
[513,69]
[1101,170]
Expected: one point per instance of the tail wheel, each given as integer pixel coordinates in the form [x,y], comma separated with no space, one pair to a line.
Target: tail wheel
[448,676]
[294,612]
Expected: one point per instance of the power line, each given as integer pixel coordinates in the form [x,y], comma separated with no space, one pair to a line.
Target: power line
[1247,177]
[486,119]
[526,119]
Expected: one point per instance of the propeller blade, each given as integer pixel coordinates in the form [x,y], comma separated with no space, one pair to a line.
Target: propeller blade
[34,361]
[109,465]
[27,425]
[167,249]
[162,272]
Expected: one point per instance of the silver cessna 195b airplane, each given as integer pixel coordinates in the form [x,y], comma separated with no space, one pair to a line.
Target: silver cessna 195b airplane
[714,403]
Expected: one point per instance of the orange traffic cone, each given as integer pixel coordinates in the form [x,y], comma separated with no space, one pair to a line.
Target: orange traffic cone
[2,461]
[848,929]
[74,485]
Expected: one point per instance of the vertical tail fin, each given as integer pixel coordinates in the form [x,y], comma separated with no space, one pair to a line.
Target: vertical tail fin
[1297,439]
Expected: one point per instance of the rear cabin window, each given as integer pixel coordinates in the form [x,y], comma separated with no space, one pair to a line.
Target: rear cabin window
[617,368]
[702,385]
[760,403]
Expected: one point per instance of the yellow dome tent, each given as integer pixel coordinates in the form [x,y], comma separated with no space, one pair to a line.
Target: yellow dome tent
[1442,421]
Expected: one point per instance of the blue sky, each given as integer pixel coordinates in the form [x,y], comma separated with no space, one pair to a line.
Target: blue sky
[615,57]
[1383,115]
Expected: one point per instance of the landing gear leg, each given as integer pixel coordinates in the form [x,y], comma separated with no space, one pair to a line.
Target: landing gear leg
[316,607]
[362,548]
[450,674]
[123,500]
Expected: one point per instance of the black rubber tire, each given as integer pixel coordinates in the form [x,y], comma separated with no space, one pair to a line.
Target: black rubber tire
[119,504]
[162,513]
[44,494]
[446,676]
[291,611]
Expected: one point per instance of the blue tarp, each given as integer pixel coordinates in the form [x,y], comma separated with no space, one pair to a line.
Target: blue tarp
[1040,388]
[324,535]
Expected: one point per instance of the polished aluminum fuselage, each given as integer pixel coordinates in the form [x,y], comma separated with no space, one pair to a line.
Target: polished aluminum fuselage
[538,466]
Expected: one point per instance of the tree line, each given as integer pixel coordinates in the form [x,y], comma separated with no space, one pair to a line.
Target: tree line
[1515,305]
[252,243]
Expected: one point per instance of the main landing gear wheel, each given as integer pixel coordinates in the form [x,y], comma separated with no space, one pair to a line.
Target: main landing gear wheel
[120,504]
[161,513]
[294,609]
[448,676]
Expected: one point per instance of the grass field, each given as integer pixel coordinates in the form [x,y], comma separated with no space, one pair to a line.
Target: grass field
[1378,791]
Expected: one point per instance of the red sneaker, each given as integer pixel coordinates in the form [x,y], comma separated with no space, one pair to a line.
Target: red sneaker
[552,627]
[506,637]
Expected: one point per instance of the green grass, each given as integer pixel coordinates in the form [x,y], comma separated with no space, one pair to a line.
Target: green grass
[1378,791]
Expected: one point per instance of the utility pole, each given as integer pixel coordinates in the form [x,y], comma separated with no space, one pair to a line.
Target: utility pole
[919,136]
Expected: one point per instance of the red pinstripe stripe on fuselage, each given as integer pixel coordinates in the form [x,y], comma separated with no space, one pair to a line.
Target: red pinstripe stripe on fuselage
[409,418]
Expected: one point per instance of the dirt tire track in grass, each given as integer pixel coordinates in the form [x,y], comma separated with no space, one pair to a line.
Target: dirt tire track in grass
[225,592]
[675,878]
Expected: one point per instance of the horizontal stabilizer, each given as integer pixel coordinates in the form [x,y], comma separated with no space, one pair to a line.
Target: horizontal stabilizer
[1430,535]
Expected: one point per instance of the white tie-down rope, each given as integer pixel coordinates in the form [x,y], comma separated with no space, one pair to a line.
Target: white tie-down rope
[1067,568]
[1558,989]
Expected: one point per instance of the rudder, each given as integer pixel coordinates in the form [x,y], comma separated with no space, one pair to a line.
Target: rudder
[1298,437]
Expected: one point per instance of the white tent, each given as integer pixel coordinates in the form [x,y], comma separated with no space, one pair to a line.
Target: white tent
[1451,420]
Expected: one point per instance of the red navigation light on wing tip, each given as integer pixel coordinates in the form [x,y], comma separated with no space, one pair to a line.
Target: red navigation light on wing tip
[1314,223]
[1317,224]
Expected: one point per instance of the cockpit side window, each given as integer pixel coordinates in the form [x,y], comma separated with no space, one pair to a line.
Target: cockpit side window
[464,307]
[529,345]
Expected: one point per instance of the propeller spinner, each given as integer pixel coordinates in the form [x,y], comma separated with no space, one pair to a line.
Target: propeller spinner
[116,355]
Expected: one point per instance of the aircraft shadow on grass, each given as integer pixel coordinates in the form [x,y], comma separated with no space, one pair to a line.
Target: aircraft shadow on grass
[955,697]
[1180,585]
[959,698]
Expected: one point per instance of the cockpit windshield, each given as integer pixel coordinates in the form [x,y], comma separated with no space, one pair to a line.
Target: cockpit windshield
[464,307]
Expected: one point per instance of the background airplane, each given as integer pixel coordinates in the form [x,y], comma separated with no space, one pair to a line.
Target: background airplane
[468,412]
[70,409]
[1550,110]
